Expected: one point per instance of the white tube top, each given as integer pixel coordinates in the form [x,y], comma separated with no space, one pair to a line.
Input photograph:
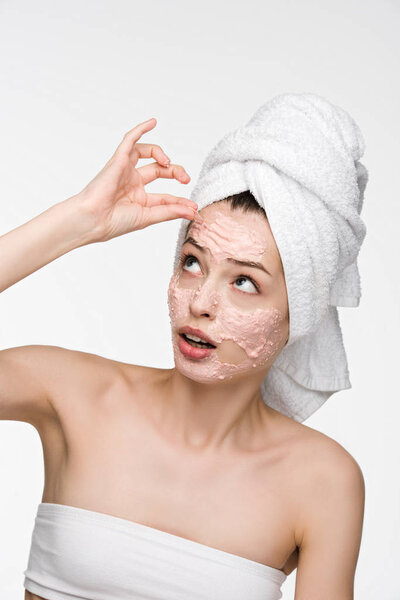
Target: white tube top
[79,554]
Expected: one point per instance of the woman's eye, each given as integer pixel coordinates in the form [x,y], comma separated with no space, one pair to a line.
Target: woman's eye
[188,262]
[245,288]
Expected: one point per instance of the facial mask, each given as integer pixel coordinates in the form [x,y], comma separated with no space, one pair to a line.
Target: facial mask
[249,336]
[226,234]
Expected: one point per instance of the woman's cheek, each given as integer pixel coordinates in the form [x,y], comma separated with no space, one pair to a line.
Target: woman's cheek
[250,337]
[178,302]
[230,352]
[246,339]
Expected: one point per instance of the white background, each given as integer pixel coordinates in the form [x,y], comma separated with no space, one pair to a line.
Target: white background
[75,77]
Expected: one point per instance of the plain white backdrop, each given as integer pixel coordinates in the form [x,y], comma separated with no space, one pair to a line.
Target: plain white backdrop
[75,77]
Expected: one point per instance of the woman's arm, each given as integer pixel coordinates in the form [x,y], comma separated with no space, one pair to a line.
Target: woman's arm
[331,528]
[56,231]
[112,204]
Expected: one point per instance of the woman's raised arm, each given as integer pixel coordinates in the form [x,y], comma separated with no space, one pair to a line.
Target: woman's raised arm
[112,204]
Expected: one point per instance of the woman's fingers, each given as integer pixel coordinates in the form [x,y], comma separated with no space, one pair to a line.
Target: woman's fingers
[130,146]
[160,199]
[167,212]
[133,135]
[153,151]
[154,170]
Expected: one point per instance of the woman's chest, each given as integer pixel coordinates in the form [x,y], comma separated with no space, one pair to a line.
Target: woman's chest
[116,465]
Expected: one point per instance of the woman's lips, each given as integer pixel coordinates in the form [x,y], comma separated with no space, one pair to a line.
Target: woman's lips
[191,351]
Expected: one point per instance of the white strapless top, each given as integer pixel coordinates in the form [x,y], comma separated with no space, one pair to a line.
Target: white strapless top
[79,554]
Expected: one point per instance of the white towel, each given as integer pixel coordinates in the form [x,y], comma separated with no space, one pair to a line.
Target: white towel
[299,157]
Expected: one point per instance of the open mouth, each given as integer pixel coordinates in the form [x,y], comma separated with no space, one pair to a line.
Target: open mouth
[194,343]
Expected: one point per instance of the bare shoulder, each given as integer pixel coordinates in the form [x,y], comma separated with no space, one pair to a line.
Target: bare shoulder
[39,382]
[91,381]
[33,377]
[328,458]
[323,461]
[92,375]
[74,369]
[326,492]
[329,481]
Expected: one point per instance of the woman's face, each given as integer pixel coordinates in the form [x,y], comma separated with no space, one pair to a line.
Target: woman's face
[241,308]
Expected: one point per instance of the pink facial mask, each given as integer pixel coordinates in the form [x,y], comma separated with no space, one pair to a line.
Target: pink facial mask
[251,337]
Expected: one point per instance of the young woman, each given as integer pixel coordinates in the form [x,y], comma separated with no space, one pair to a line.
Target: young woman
[176,483]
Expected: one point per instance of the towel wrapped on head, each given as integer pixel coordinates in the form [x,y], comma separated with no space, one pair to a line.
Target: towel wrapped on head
[299,157]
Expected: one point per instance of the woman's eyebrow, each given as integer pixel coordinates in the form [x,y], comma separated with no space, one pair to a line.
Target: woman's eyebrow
[246,263]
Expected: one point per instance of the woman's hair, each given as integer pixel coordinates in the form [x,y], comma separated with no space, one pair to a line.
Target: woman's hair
[244,201]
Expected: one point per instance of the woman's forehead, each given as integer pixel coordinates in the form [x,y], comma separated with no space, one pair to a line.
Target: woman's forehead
[245,235]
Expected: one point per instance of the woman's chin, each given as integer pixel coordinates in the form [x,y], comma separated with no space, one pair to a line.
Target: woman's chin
[197,373]
[200,372]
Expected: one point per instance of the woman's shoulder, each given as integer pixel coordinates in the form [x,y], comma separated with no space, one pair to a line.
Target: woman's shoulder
[327,494]
[313,459]
[322,449]
[318,454]
[325,477]
[78,374]
[96,370]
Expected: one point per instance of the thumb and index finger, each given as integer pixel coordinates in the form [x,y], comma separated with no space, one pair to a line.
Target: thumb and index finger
[158,207]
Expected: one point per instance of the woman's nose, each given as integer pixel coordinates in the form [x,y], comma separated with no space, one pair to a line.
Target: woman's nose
[205,300]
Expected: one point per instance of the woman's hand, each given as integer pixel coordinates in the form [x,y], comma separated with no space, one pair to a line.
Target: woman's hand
[116,202]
